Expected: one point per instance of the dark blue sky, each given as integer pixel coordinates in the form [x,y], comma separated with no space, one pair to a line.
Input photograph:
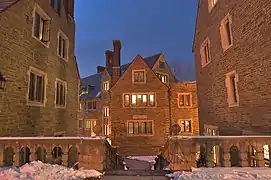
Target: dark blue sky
[144,27]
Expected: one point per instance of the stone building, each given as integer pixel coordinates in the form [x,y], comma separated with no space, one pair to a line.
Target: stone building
[38,63]
[135,104]
[233,64]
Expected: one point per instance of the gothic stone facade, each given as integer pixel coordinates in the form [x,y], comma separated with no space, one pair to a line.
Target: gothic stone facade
[232,56]
[37,59]
[137,103]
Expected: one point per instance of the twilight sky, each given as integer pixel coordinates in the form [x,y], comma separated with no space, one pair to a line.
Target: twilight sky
[144,27]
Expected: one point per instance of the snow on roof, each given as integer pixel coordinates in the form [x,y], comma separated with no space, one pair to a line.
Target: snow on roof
[53,138]
[150,159]
[37,170]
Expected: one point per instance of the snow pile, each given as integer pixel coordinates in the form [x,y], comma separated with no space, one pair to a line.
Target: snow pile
[223,173]
[37,170]
[150,159]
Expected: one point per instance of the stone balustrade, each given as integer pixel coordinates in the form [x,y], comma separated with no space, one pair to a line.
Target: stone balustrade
[88,152]
[184,152]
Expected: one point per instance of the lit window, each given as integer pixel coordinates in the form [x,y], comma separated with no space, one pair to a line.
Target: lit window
[226,32]
[152,101]
[88,124]
[139,76]
[211,4]
[93,125]
[84,90]
[266,152]
[133,99]
[106,111]
[185,126]
[163,77]
[140,127]
[126,100]
[41,26]
[144,99]
[185,100]
[106,85]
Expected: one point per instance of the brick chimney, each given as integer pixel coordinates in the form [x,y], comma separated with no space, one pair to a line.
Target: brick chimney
[116,61]
[108,59]
[100,69]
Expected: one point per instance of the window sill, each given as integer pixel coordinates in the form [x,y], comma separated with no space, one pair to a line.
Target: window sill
[204,65]
[64,59]
[60,106]
[227,47]
[234,105]
[35,103]
[46,44]
[139,82]
[135,107]
[185,107]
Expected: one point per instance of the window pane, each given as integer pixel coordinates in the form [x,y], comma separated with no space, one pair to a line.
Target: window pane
[143,127]
[126,100]
[188,100]
[182,125]
[39,89]
[149,128]
[133,99]
[233,83]
[139,99]
[130,128]
[227,25]
[144,99]
[181,100]
[31,94]
[136,127]
[37,25]
[152,100]
[187,126]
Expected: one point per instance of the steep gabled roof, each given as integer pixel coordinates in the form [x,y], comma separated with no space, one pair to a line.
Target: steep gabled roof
[195,31]
[95,82]
[5,4]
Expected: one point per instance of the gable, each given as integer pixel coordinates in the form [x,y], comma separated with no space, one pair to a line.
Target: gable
[126,79]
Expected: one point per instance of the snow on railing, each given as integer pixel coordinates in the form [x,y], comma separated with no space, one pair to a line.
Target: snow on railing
[215,137]
[54,138]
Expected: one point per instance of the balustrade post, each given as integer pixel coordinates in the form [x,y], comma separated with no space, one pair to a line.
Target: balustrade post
[1,154]
[243,158]
[16,155]
[65,155]
[260,154]
[227,159]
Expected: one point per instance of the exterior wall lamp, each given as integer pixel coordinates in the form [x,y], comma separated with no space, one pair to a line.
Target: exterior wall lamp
[3,82]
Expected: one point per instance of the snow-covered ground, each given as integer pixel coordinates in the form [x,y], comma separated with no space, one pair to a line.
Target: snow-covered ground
[224,173]
[39,171]
[150,159]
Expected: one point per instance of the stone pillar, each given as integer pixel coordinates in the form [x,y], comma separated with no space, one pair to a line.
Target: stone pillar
[32,153]
[65,155]
[227,159]
[243,158]
[2,148]
[16,156]
[260,159]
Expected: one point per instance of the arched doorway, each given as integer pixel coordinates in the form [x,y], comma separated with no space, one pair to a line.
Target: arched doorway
[57,155]
[73,157]
[24,156]
[234,156]
[41,154]
[8,156]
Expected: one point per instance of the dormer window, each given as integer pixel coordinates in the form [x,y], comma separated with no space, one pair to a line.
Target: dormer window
[84,90]
[163,77]
[106,85]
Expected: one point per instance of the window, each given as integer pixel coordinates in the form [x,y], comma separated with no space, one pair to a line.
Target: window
[106,85]
[266,152]
[80,124]
[211,130]
[90,125]
[139,76]
[106,130]
[139,100]
[226,32]
[63,45]
[84,90]
[36,86]
[81,106]
[140,127]
[185,126]
[163,77]
[91,105]
[205,52]
[185,100]
[232,91]
[162,64]
[41,26]
[60,93]
[211,4]
[56,5]
[106,111]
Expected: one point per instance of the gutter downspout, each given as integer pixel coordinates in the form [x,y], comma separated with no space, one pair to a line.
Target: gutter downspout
[169,108]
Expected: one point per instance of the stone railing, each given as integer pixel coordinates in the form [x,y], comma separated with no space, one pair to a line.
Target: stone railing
[90,153]
[184,152]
